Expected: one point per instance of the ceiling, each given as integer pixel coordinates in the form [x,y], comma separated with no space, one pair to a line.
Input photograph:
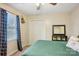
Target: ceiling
[30,8]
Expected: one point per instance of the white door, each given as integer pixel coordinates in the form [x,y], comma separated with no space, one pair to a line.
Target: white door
[37,30]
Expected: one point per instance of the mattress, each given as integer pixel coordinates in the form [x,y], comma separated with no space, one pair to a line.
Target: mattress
[49,48]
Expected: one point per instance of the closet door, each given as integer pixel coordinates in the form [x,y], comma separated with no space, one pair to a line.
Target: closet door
[37,30]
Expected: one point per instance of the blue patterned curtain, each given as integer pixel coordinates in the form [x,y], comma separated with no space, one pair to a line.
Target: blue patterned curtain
[3,32]
[18,34]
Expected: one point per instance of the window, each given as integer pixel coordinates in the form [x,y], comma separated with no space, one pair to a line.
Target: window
[11,27]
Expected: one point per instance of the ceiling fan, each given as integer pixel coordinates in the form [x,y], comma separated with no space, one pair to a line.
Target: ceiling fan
[38,5]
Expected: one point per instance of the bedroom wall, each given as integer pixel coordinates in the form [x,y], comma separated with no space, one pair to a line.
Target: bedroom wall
[12,45]
[52,19]
[75,22]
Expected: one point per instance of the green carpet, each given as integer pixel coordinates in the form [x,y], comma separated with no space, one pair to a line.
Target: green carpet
[49,48]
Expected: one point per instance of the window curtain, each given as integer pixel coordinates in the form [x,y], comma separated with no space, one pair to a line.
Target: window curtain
[3,32]
[19,44]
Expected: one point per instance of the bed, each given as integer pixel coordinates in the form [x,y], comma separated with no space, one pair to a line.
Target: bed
[49,48]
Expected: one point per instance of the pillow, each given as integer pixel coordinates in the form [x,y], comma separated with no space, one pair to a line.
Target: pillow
[73,43]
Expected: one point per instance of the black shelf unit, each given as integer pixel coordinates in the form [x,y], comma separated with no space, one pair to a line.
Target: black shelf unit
[59,36]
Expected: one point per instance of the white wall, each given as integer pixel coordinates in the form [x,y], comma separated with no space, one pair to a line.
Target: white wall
[52,19]
[75,22]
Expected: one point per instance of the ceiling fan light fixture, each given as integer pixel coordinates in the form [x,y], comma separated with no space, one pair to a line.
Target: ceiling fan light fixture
[38,5]
[42,3]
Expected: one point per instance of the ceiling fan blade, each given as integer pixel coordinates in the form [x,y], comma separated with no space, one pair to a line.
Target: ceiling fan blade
[53,3]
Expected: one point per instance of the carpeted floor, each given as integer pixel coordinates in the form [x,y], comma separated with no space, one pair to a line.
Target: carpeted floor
[18,53]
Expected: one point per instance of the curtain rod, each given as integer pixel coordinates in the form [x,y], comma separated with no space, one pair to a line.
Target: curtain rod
[10,11]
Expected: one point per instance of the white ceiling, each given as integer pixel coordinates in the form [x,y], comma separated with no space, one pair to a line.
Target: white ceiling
[30,8]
